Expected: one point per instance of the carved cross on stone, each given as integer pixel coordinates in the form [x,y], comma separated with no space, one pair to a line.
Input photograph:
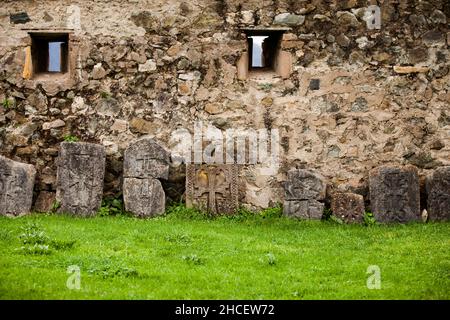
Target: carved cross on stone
[80,176]
[212,183]
[212,188]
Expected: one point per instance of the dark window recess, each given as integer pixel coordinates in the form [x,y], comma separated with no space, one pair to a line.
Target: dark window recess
[263,46]
[314,84]
[21,17]
[49,53]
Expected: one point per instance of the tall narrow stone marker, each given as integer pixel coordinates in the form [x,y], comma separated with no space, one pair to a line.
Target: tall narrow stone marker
[145,161]
[438,194]
[16,187]
[394,193]
[80,173]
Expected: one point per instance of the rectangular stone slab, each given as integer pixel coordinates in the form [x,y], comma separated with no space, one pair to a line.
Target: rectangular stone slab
[213,188]
[144,197]
[306,209]
[304,184]
[394,193]
[348,206]
[438,194]
[146,158]
[80,173]
[16,187]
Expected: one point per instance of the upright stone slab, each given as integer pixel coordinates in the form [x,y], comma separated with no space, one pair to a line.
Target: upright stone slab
[348,206]
[438,194]
[212,187]
[394,193]
[305,184]
[80,173]
[146,158]
[16,187]
[304,190]
[145,161]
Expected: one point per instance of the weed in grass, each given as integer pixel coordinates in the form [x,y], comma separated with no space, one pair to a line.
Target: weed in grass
[178,238]
[62,244]
[32,234]
[35,249]
[36,241]
[269,259]
[192,259]
[112,271]
[179,210]
[5,235]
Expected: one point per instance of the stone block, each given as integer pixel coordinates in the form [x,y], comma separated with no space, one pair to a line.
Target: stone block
[144,197]
[394,193]
[438,194]
[44,201]
[16,187]
[213,188]
[80,173]
[145,161]
[304,185]
[146,158]
[348,207]
[306,209]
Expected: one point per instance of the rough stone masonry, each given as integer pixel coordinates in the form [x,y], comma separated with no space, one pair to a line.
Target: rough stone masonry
[345,97]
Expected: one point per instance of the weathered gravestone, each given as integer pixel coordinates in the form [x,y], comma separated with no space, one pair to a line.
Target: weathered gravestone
[348,206]
[16,187]
[438,194]
[304,190]
[212,187]
[394,193]
[145,161]
[80,173]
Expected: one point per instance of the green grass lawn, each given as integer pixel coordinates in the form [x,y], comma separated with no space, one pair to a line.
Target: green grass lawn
[176,257]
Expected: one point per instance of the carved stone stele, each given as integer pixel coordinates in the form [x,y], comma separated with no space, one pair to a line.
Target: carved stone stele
[212,187]
[438,194]
[348,206]
[80,173]
[16,187]
[394,193]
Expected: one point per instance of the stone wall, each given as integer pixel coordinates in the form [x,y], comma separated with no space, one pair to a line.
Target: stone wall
[344,105]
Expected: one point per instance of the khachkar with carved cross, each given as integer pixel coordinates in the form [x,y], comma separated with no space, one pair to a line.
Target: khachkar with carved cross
[212,187]
[81,169]
[16,187]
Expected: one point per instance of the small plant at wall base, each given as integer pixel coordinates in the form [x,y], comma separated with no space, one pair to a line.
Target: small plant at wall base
[111,206]
[55,206]
[70,138]
[369,219]
[328,216]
